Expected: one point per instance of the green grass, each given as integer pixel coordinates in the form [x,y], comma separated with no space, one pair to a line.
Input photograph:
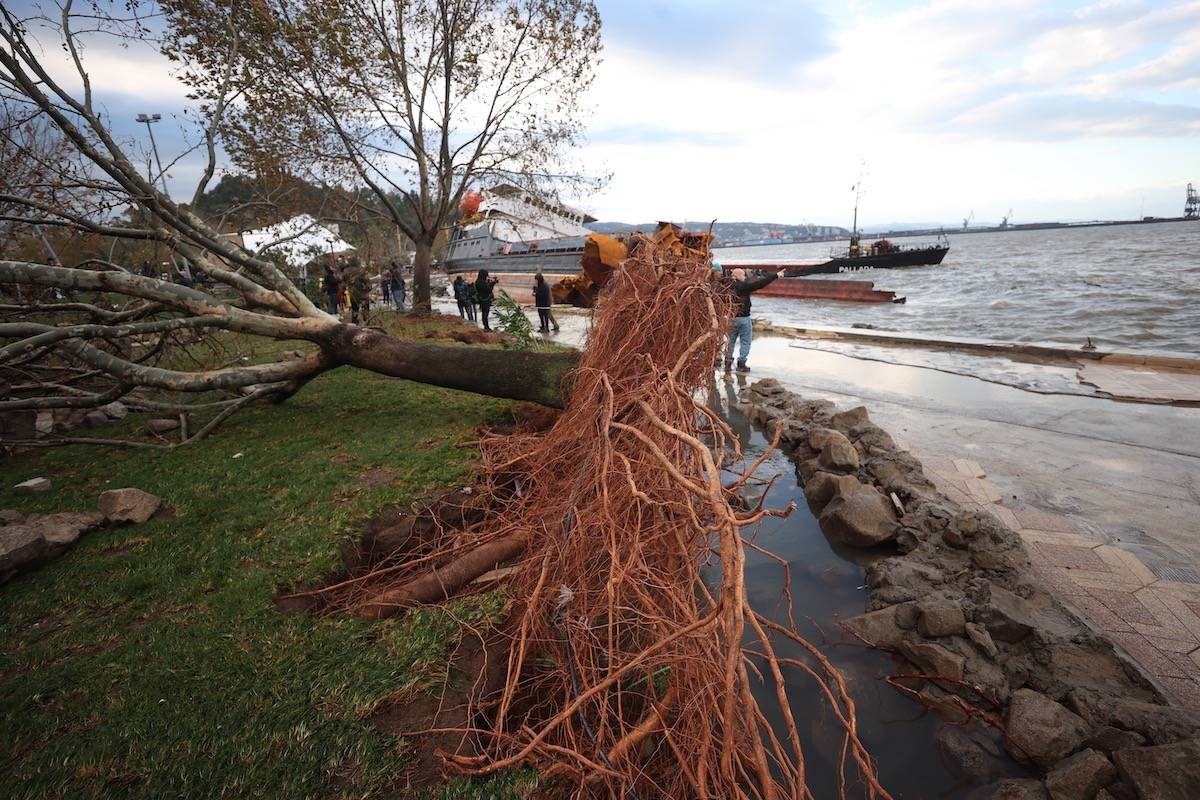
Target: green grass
[149,662]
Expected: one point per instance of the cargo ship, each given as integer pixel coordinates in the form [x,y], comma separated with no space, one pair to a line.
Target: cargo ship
[514,234]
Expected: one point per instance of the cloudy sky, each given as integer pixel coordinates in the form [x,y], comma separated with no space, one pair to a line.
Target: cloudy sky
[769,111]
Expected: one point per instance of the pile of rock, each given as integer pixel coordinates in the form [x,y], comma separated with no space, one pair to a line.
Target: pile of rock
[28,542]
[954,596]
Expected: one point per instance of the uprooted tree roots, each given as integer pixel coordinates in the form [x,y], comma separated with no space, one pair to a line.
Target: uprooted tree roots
[627,674]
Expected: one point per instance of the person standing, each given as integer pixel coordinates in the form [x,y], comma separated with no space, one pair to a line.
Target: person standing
[472,299]
[385,286]
[360,290]
[741,331]
[330,284]
[541,299]
[399,287]
[460,295]
[485,294]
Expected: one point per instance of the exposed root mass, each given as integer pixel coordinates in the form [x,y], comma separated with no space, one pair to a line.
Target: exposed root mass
[630,675]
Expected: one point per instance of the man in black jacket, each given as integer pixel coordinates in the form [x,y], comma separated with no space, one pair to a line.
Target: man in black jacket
[742,330]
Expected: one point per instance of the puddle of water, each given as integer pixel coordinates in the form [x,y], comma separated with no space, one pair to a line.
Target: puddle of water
[826,585]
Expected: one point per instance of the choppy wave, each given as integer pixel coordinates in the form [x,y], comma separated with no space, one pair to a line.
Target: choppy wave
[1128,287]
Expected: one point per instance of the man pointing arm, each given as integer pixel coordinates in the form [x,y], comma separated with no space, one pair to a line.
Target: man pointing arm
[742,331]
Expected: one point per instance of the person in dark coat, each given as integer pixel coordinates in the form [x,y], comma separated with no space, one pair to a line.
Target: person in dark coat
[460,296]
[741,331]
[485,294]
[385,286]
[472,299]
[333,288]
[541,299]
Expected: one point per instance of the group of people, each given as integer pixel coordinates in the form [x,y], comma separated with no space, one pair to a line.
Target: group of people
[481,293]
[347,284]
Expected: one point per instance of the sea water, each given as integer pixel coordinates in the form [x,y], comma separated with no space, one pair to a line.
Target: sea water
[1134,288]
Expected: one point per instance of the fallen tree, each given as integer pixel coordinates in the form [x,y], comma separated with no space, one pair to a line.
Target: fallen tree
[85,334]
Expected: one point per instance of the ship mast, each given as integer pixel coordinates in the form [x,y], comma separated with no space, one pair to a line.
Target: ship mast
[857,195]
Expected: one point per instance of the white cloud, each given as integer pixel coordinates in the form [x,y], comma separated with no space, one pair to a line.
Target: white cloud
[955,104]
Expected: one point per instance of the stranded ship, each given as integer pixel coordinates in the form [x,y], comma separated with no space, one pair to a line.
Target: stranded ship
[514,234]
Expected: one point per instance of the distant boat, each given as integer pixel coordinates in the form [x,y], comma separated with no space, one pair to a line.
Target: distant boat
[882,254]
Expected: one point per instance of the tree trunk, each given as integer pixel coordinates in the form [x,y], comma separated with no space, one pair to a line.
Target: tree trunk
[423,258]
[537,377]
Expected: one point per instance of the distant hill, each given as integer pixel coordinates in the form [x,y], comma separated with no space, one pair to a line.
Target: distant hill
[728,232]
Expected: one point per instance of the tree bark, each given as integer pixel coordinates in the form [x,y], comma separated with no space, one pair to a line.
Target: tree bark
[422,259]
[537,377]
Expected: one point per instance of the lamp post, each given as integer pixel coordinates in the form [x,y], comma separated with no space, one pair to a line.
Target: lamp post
[148,119]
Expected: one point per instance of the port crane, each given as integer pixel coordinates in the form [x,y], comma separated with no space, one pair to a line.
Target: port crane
[1191,209]
[967,220]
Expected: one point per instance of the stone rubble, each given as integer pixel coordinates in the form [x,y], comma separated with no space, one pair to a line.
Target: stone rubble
[954,595]
[28,542]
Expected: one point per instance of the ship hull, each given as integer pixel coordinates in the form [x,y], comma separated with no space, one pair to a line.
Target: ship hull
[925,256]
[564,262]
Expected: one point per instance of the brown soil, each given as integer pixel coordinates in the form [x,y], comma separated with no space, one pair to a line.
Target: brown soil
[478,670]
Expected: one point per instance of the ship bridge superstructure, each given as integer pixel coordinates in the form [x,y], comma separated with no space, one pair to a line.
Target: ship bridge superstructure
[511,218]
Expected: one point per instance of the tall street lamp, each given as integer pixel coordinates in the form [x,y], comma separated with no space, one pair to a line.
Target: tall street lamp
[149,118]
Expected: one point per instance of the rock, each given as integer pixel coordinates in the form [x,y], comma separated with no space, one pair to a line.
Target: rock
[1165,772]
[982,639]
[933,659]
[290,355]
[845,420]
[63,530]
[94,419]
[44,423]
[32,486]
[1006,616]
[968,753]
[1010,789]
[10,517]
[838,455]
[873,438]
[939,619]
[860,517]
[899,580]
[115,410]
[20,546]
[824,486]
[1108,739]
[1159,724]
[766,387]
[1080,777]
[128,505]
[906,615]
[880,628]
[1046,731]
[162,425]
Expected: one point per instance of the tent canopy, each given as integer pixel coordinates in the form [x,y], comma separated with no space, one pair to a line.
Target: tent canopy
[299,240]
